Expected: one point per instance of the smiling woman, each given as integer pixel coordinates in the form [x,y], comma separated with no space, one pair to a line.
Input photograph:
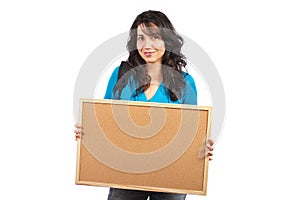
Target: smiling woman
[152,73]
[155,58]
[150,45]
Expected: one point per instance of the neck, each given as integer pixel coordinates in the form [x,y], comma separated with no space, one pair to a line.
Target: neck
[155,72]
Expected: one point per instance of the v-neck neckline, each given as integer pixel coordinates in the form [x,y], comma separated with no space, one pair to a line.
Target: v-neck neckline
[145,96]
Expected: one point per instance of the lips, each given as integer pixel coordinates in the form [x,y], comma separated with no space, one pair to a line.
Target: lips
[148,54]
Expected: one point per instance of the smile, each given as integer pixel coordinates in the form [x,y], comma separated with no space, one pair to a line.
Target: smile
[148,54]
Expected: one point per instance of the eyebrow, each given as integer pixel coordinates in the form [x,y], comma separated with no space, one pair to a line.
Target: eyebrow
[151,34]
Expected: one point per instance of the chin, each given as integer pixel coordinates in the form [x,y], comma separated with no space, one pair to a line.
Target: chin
[147,60]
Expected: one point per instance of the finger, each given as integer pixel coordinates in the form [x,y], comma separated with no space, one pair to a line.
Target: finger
[211,142]
[210,153]
[77,136]
[77,125]
[78,131]
[210,148]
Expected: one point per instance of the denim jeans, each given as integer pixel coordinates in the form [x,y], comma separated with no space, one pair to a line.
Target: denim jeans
[123,194]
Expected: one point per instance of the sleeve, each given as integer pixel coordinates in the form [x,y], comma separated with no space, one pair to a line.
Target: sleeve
[111,84]
[190,96]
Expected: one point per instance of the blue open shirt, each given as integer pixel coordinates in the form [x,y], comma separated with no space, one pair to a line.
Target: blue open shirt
[161,95]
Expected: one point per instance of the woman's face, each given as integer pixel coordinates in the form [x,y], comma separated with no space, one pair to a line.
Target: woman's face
[151,47]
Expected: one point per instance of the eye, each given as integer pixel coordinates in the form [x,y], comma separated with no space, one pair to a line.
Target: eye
[140,38]
[155,37]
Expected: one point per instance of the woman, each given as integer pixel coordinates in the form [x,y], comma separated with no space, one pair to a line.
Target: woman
[152,73]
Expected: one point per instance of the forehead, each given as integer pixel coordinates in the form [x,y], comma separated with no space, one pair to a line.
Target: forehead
[148,29]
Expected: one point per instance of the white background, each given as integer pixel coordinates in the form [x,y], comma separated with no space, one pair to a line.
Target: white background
[254,45]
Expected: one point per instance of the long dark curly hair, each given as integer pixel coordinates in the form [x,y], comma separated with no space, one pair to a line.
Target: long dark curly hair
[172,61]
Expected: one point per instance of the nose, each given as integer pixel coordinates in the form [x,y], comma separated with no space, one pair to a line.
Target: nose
[148,43]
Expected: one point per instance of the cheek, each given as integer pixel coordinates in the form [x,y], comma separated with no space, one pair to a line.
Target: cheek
[161,45]
[161,48]
[138,45]
[162,52]
[140,52]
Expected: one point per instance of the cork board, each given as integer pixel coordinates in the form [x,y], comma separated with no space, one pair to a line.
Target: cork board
[143,146]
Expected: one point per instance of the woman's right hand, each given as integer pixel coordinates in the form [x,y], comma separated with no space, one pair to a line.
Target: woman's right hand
[78,131]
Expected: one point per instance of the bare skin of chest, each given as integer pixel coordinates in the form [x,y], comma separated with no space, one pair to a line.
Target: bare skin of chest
[151,90]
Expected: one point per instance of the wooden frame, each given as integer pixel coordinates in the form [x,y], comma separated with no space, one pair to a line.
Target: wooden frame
[143,146]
